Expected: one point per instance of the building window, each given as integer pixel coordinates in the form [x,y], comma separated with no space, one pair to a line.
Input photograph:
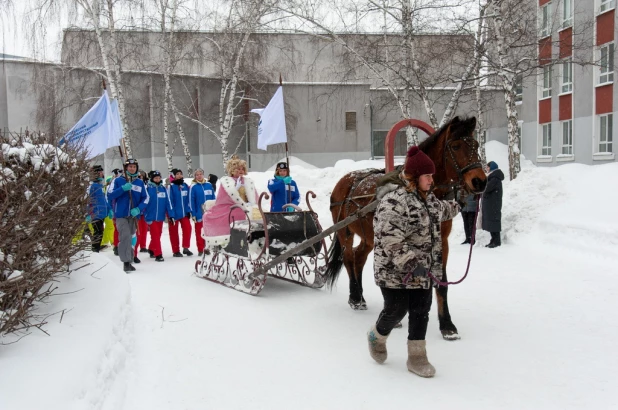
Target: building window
[567,76]
[379,136]
[544,20]
[519,89]
[350,121]
[606,131]
[567,13]
[606,63]
[606,5]
[546,146]
[546,90]
[567,137]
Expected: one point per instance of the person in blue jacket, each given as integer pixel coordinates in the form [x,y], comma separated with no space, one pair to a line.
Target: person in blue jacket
[98,209]
[200,191]
[158,207]
[181,214]
[129,199]
[283,189]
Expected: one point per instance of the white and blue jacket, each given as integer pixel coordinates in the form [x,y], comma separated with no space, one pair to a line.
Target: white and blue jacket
[120,199]
[179,197]
[199,193]
[159,203]
[280,196]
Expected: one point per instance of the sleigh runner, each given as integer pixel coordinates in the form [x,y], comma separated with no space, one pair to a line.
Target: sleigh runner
[274,246]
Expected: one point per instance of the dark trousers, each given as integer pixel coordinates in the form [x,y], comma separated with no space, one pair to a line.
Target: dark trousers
[468,221]
[397,302]
[97,237]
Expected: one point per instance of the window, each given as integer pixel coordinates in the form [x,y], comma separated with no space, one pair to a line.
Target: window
[606,63]
[546,146]
[546,90]
[567,137]
[379,136]
[519,89]
[544,20]
[606,131]
[350,121]
[567,13]
[607,5]
[567,76]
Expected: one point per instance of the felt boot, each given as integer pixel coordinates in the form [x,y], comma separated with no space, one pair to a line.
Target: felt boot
[377,345]
[417,359]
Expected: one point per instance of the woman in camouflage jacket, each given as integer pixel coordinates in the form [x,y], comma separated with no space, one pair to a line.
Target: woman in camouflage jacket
[407,246]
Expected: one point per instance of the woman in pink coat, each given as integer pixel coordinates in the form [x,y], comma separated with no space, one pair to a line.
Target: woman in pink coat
[235,189]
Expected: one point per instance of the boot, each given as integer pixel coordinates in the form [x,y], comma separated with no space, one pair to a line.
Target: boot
[200,253]
[495,240]
[377,345]
[151,253]
[159,259]
[136,260]
[116,250]
[144,250]
[187,252]
[467,241]
[417,359]
[128,267]
[177,255]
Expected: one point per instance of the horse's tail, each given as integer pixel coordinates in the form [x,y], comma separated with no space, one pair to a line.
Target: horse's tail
[335,262]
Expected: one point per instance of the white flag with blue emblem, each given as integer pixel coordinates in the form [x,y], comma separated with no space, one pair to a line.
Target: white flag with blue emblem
[271,128]
[96,130]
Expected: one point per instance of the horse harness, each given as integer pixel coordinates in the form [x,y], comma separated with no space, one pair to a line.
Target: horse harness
[450,188]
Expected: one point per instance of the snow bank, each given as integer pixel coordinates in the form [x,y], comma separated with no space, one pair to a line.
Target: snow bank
[84,356]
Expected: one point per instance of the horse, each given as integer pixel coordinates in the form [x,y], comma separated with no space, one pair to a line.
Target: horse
[454,151]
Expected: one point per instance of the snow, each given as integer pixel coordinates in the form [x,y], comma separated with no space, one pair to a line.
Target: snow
[535,317]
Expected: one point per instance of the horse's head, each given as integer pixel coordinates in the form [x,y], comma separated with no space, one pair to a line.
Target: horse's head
[461,155]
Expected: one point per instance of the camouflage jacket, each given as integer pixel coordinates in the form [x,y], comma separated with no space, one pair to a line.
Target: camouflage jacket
[405,227]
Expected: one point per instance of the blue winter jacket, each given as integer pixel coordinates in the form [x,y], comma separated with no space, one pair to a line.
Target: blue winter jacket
[159,203]
[97,203]
[179,197]
[199,193]
[280,197]
[120,199]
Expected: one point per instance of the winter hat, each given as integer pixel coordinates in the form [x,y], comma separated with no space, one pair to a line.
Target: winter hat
[175,171]
[492,166]
[282,165]
[418,163]
[97,168]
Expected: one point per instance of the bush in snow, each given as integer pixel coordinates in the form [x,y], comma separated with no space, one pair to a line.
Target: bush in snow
[42,204]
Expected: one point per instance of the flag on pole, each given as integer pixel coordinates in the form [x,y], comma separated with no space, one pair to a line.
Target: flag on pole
[96,130]
[271,128]
[116,135]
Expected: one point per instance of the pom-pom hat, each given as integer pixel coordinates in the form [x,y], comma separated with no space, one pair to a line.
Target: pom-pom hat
[418,163]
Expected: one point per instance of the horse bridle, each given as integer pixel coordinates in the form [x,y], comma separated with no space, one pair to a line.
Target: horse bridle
[448,150]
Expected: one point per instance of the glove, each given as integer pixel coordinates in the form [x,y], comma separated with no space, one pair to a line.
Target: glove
[127,187]
[289,209]
[135,212]
[171,220]
[88,219]
[133,240]
[287,180]
[110,214]
[420,271]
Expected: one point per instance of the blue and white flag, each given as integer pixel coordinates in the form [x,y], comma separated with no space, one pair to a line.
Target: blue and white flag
[271,128]
[95,130]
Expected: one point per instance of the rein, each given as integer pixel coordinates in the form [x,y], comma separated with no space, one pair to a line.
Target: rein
[472,241]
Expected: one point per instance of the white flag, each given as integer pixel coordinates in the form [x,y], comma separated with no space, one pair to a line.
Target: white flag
[94,130]
[116,135]
[271,128]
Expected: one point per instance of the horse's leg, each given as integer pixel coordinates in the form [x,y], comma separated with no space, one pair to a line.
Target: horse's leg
[361,252]
[346,238]
[447,328]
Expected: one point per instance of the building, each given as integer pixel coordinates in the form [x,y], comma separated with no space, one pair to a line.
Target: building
[567,112]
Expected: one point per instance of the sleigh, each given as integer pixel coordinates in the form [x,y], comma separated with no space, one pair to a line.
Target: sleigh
[277,245]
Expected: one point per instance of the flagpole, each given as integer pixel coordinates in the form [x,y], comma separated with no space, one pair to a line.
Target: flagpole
[287,152]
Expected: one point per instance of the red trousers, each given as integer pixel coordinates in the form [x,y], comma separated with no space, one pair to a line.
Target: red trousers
[141,235]
[199,241]
[185,224]
[116,240]
[156,229]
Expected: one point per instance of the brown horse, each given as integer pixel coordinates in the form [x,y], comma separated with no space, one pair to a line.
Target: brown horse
[454,151]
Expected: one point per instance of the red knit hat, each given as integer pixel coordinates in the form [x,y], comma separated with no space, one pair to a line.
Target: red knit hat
[418,163]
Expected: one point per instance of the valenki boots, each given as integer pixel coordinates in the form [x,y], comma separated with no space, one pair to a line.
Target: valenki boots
[417,359]
[377,345]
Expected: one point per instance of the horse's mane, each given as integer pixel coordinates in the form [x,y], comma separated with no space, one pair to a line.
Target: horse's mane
[436,135]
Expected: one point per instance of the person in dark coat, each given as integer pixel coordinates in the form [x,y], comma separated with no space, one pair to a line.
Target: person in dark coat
[492,204]
[468,212]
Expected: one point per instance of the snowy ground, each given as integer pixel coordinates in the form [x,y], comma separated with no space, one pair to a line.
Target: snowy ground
[536,317]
